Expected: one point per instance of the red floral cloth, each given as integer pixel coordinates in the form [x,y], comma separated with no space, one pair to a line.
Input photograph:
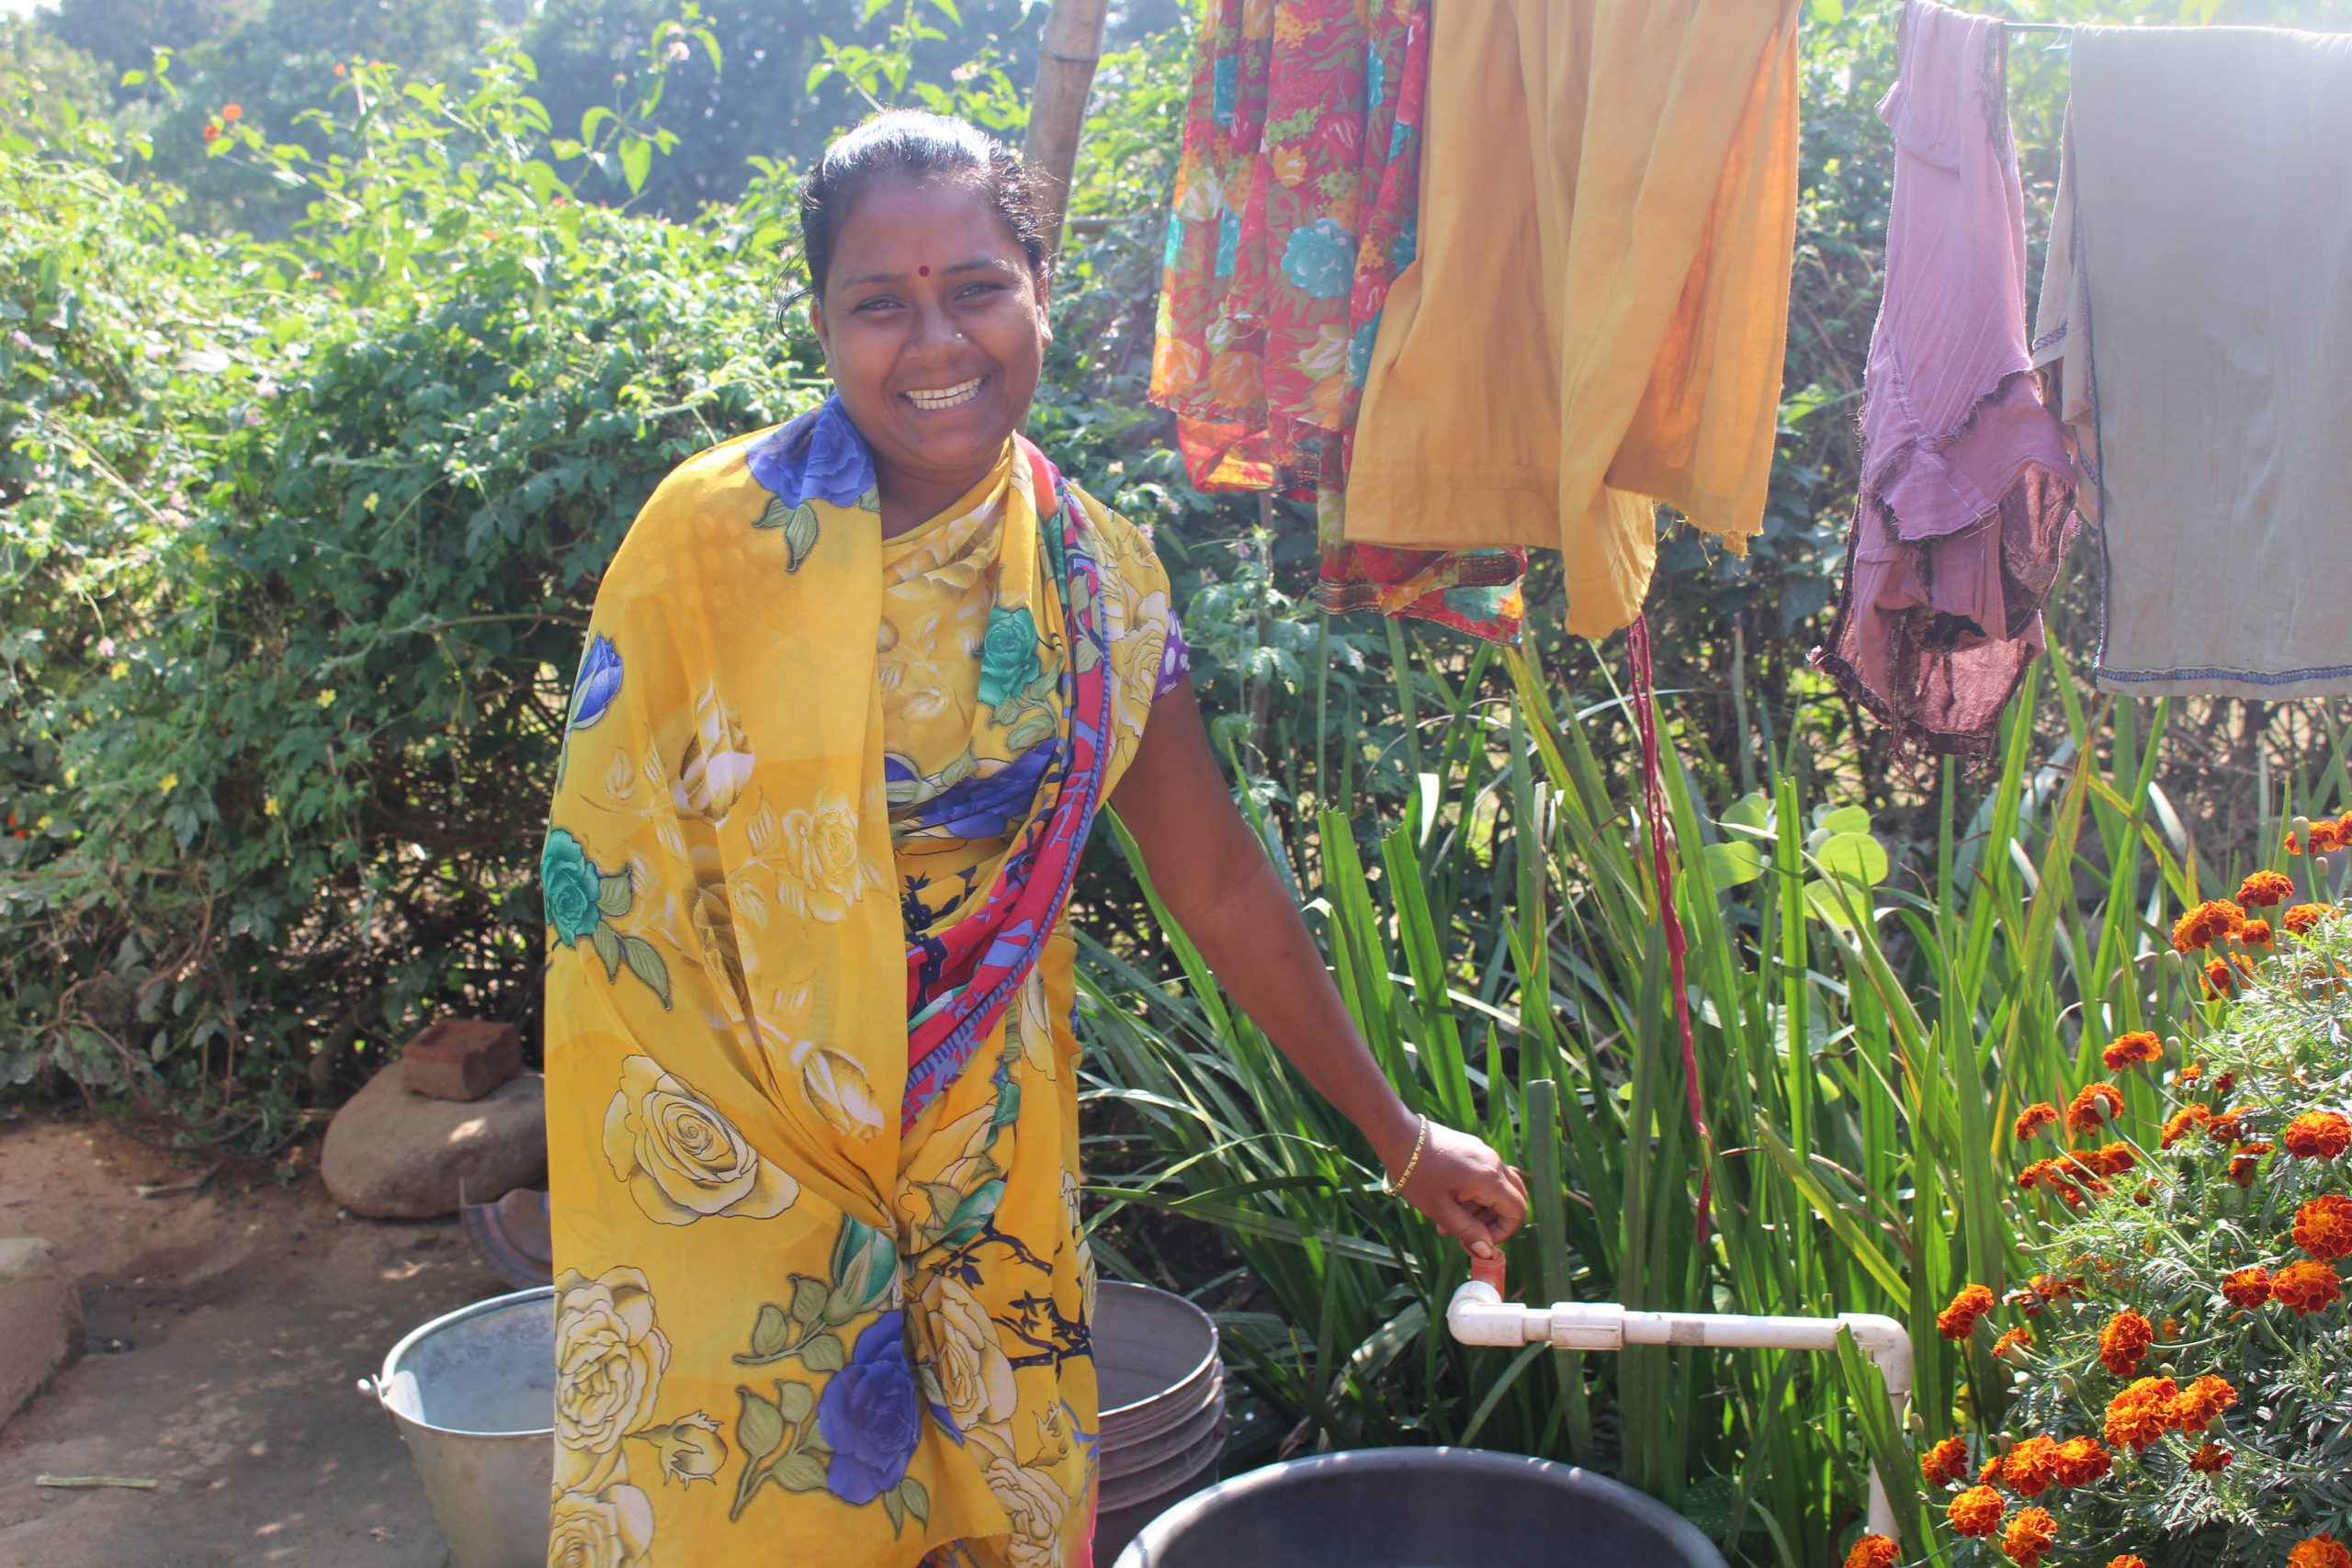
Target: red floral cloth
[1296,206]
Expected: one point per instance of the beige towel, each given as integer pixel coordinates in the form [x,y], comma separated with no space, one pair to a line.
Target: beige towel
[2197,312]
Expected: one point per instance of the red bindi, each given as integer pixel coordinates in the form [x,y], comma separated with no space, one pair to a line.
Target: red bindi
[922,272]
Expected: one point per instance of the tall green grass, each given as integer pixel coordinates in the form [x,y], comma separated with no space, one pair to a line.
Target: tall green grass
[1867,1026]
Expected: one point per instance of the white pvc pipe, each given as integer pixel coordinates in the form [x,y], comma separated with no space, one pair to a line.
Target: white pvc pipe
[1479,1315]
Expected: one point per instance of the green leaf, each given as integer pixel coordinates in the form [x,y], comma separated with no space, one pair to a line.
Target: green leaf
[796,1399]
[917,1498]
[800,535]
[1008,1102]
[978,1204]
[801,1472]
[776,514]
[612,893]
[808,1299]
[637,161]
[1733,864]
[871,500]
[1029,731]
[646,964]
[1853,857]
[759,1429]
[771,1332]
[1841,819]
[842,1304]
[823,1353]
[607,945]
[896,1510]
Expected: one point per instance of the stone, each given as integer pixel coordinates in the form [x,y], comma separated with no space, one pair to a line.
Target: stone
[461,1058]
[393,1154]
[42,1308]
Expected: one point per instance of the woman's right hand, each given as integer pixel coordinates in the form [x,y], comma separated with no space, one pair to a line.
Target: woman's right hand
[1464,1186]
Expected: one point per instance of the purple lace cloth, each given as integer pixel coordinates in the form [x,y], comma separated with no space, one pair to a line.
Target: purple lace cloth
[1967,498]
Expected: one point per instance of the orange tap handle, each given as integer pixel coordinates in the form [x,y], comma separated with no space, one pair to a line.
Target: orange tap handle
[1488,1272]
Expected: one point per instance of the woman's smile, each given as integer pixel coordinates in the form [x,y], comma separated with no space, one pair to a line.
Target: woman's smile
[941,399]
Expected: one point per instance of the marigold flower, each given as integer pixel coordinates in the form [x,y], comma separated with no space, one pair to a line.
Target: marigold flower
[2304,917]
[1944,1462]
[340,68]
[2242,1163]
[2056,1288]
[2309,1286]
[2318,1134]
[1873,1551]
[2124,1342]
[2255,934]
[2327,837]
[2223,1085]
[2016,1340]
[2323,1227]
[2031,1467]
[2183,1122]
[2096,1104]
[2111,1159]
[233,112]
[211,132]
[2146,1196]
[2210,1459]
[2205,925]
[2225,1127]
[2081,1460]
[2141,1414]
[2322,1551]
[1991,1474]
[1976,1511]
[2034,1118]
[2030,1534]
[2248,1287]
[1958,1321]
[2265,888]
[2132,1050]
[2127,1560]
[2194,1408]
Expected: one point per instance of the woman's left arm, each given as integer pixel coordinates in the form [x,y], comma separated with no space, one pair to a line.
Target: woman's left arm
[1212,874]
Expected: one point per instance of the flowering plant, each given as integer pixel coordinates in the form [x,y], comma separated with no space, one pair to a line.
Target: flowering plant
[2182,1372]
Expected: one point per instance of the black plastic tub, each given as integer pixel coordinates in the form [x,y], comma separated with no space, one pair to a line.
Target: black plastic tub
[1421,1508]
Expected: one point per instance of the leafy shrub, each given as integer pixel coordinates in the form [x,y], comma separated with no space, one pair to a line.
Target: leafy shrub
[2185,1335]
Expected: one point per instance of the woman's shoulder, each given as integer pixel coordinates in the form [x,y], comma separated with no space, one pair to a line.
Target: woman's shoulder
[1119,542]
[716,477]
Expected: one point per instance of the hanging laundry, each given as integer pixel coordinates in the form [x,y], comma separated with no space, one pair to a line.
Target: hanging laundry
[1296,203]
[2197,316]
[1596,320]
[1967,495]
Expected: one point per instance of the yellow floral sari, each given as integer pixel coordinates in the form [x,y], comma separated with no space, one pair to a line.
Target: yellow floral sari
[812,1112]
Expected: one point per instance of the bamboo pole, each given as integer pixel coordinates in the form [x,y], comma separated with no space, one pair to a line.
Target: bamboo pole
[1066,56]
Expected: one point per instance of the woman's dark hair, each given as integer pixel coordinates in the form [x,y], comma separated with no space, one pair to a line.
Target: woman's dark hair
[915,145]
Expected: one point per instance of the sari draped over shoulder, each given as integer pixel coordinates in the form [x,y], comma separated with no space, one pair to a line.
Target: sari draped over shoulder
[812,1106]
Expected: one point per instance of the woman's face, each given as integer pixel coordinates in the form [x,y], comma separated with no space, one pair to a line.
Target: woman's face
[935,330]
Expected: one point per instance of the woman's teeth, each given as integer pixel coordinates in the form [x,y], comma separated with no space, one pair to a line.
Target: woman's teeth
[946,397]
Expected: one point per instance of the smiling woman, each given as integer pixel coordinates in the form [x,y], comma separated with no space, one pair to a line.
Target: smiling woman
[854,692]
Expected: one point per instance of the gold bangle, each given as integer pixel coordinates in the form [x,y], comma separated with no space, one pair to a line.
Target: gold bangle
[1420,1139]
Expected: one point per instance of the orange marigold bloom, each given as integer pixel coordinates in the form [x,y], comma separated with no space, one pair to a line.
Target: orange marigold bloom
[2132,1050]
[1991,1474]
[2322,1551]
[2034,1118]
[1976,1511]
[1958,1321]
[233,112]
[2014,1340]
[2081,1460]
[2183,1122]
[2056,1288]
[1873,1551]
[2127,1560]
[2111,1159]
[2124,1342]
[2194,1408]
[2242,1163]
[2226,1127]
[2309,1286]
[211,132]
[2255,934]
[2030,1467]
[2191,1073]
[2248,1287]
[2141,1414]
[2098,1103]
[1944,1464]
[2323,1227]
[2327,837]
[2223,1085]
[2318,1134]
[2030,1534]
[2210,1459]
[2304,917]
[2265,888]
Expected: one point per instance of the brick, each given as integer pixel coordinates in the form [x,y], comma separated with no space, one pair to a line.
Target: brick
[42,1310]
[461,1058]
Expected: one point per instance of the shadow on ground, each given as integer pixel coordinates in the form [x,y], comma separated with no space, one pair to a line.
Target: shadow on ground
[228,1326]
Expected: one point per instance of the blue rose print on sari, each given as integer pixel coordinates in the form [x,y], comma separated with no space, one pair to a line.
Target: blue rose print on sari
[989,805]
[818,456]
[599,682]
[1375,77]
[1226,88]
[1321,258]
[870,1414]
[1229,240]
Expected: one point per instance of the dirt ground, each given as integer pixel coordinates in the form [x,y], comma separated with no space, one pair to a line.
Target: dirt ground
[228,1326]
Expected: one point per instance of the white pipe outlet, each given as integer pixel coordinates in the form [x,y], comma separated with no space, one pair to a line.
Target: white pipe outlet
[1479,1315]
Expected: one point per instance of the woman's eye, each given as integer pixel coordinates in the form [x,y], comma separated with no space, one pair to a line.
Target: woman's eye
[974,289]
[881,302]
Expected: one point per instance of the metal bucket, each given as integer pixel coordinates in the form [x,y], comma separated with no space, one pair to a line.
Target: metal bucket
[1419,1509]
[473,1395]
[1163,1426]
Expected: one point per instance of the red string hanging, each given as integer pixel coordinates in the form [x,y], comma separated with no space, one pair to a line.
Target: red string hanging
[1637,642]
